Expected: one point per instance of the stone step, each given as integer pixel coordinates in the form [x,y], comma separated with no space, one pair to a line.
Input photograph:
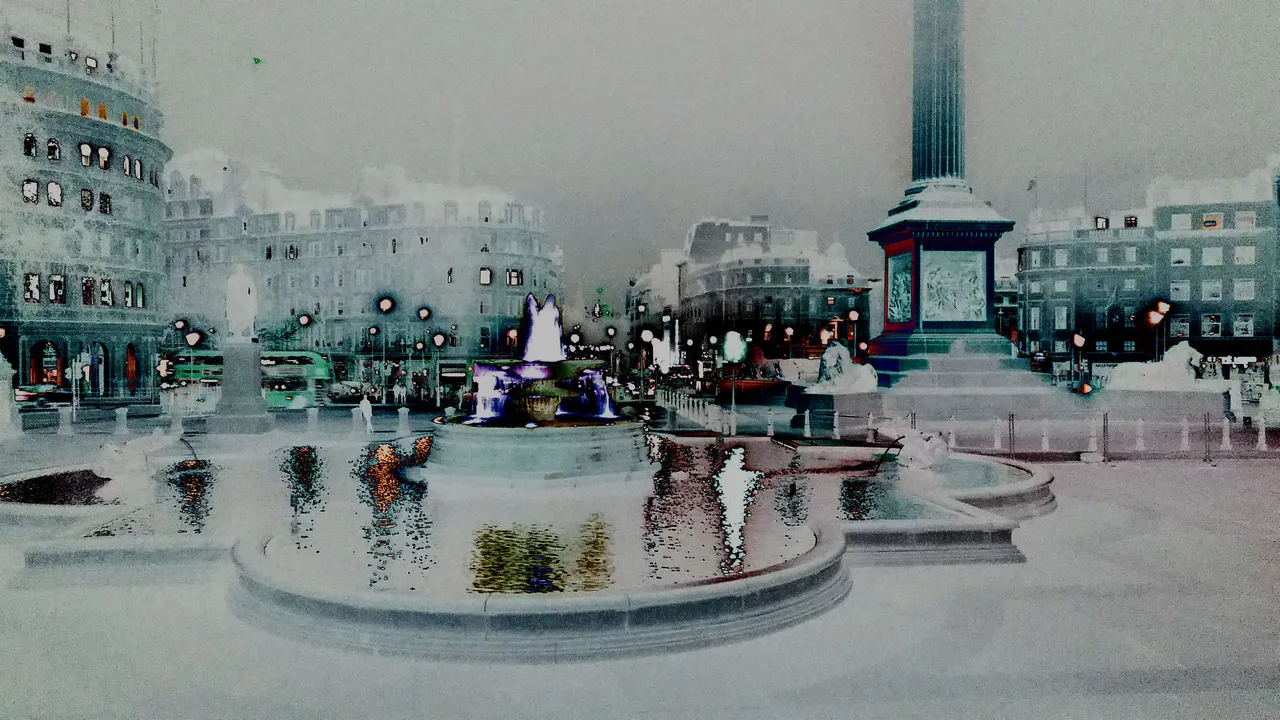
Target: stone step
[973,379]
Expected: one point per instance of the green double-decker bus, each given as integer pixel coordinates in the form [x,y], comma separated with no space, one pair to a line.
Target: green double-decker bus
[291,379]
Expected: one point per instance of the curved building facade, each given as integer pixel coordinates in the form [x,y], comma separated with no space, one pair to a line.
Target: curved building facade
[81,260]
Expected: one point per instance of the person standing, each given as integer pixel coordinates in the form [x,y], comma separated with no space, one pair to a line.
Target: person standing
[366,412]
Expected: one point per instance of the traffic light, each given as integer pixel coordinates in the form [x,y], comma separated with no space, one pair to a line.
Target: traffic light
[165,367]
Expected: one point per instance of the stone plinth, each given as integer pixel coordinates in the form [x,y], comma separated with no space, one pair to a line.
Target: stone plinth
[242,410]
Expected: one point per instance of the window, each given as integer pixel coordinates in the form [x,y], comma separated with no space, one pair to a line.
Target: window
[106,296]
[104,203]
[1211,256]
[1246,254]
[483,211]
[1180,290]
[1210,289]
[788,305]
[84,107]
[1035,287]
[1035,317]
[268,252]
[1212,221]
[315,281]
[1131,221]
[1060,317]
[124,119]
[449,276]
[1035,258]
[338,278]
[1100,346]
[481,307]
[1060,286]
[86,199]
[486,276]
[139,297]
[831,301]
[1060,257]
[515,277]
[393,246]
[88,296]
[1100,318]
[31,287]
[1060,346]
[313,249]
[1246,219]
[29,145]
[1103,255]
[54,194]
[1130,346]
[102,109]
[1211,326]
[137,169]
[1180,221]
[53,150]
[292,252]
[104,158]
[1243,326]
[1180,256]
[127,167]
[1180,326]
[484,338]
[30,191]
[1129,314]
[1101,223]
[128,294]
[1130,284]
[86,154]
[362,278]
[1242,290]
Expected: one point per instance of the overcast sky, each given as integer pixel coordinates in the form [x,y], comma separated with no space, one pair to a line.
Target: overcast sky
[628,120]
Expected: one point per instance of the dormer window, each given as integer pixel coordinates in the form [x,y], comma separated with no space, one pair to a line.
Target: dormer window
[91,64]
[104,158]
[84,107]
[102,111]
[1131,221]
[1101,223]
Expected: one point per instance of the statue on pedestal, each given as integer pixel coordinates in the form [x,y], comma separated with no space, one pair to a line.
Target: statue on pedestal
[242,306]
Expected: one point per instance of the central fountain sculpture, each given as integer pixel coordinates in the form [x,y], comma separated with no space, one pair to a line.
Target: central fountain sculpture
[540,421]
[242,409]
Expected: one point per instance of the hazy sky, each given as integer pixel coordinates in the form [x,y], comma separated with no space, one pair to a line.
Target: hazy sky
[628,120]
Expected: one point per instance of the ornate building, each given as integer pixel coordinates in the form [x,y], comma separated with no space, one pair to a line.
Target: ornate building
[405,260]
[81,262]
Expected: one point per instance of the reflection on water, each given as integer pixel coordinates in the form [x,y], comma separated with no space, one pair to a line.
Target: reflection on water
[862,499]
[536,559]
[791,502]
[303,469]
[736,489]
[78,487]
[681,510]
[380,487]
[190,482]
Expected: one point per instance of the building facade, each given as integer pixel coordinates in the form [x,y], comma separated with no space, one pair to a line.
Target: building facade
[1206,248]
[81,258]
[378,282]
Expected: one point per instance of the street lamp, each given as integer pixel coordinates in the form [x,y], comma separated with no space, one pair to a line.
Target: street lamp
[438,341]
[1077,342]
[735,348]
[789,331]
[193,338]
[853,322]
[1156,317]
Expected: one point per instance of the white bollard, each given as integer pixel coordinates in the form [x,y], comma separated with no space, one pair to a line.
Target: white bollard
[1093,435]
[995,445]
[808,430]
[835,426]
[1226,435]
[402,426]
[175,425]
[769,431]
[1139,443]
[122,421]
[64,421]
[357,422]
[313,419]
[951,433]
[871,428]
[1185,445]
[733,421]
[1262,432]
[1044,436]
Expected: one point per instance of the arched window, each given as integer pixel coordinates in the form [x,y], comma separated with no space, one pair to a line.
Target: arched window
[137,168]
[268,252]
[104,203]
[104,158]
[29,94]
[84,107]
[54,193]
[135,123]
[139,296]
[29,145]
[124,119]
[86,199]
[54,150]
[30,191]
[484,211]
[451,211]
[102,111]
[127,166]
[86,154]
[484,338]
[128,294]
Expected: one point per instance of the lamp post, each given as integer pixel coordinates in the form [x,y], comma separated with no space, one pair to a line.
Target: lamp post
[853,322]
[437,340]
[735,348]
[1158,315]
[1077,342]
[789,331]
[646,337]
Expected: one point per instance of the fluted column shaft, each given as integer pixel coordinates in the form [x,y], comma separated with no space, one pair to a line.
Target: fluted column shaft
[938,107]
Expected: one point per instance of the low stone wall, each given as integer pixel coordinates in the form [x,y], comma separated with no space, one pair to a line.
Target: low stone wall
[972,536]
[549,628]
[853,409]
[144,550]
[1157,405]
[47,418]
[1019,501]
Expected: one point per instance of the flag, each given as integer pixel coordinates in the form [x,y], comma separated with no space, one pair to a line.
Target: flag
[1031,185]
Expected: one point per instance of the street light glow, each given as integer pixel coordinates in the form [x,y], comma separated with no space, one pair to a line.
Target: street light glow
[179,324]
[304,320]
[193,338]
[438,339]
[1077,340]
[641,307]
[610,331]
[1163,307]
[419,345]
[386,304]
[575,338]
[735,348]
[853,315]
[713,340]
[424,313]
[646,335]
[373,330]
[1155,317]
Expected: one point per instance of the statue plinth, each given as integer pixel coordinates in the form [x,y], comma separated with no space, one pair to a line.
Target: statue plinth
[242,409]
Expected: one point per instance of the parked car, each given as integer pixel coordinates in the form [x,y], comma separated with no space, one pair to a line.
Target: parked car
[349,391]
[41,395]
[1040,362]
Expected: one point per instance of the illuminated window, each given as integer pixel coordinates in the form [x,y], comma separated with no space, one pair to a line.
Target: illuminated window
[1130,346]
[104,158]
[1180,326]
[84,107]
[1242,290]
[1211,256]
[86,154]
[1211,290]
[31,287]
[1131,221]
[1101,223]
[139,296]
[29,94]
[128,294]
[486,276]
[127,167]
[54,194]
[107,297]
[1100,346]
[30,191]
[1245,254]
[124,119]
[515,277]
[104,203]
[86,199]
[1211,325]
[1212,221]
[88,296]
[53,150]
[29,145]
[1243,326]
[1180,256]
[102,109]
[137,169]
[136,124]
[292,252]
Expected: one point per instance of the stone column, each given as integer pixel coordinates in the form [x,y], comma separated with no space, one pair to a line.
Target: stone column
[938,89]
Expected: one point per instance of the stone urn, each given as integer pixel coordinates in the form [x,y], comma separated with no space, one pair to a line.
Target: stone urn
[540,399]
